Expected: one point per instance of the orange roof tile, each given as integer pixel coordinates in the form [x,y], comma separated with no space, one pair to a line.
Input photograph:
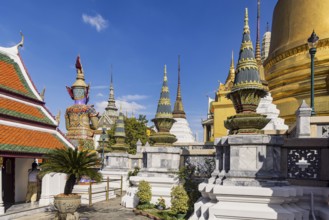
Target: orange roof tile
[21,110]
[25,140]
[12,79]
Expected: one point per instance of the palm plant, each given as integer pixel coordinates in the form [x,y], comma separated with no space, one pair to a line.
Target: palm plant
[74,163]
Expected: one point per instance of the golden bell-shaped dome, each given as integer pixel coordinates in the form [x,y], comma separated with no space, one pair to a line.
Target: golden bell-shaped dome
[287,68]
[294,21]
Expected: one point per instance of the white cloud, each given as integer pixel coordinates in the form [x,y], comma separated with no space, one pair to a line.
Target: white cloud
[96,21]
[99,94]
[100,87]
[132,97]
[129,107]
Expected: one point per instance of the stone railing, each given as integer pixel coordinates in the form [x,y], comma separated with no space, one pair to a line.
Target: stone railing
[305,161]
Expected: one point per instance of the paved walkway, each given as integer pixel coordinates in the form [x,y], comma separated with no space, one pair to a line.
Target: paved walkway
[101,210]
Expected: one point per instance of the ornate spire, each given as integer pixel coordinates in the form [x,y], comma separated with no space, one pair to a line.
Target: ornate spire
[247,75]
[163,120]
[178,108]
[258,53]
[111,100]
[164,105]
[247,91]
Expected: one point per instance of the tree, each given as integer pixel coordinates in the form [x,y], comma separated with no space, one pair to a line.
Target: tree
[135,129]
[74,163]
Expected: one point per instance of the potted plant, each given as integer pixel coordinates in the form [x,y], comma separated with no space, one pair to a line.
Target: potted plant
[75,164]
[179,201]
[144,194]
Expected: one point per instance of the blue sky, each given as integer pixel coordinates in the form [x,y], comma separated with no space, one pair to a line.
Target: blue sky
[137,37]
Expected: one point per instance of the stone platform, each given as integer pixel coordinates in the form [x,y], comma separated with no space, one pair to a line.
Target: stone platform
[162,165]
[98,192]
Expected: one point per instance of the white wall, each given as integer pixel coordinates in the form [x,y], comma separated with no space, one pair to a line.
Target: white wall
[22,166]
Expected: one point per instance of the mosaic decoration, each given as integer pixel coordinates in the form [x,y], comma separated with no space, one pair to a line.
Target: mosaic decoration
[81,119]
[303,163]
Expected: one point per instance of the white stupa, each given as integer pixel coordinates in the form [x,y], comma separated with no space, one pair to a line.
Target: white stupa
[181,128]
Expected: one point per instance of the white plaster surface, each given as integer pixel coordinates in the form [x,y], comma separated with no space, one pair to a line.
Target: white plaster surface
[181,129]
[266,107]
[52,184]
[22,166]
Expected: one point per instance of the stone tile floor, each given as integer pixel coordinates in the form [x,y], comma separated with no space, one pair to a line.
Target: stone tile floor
[101,210]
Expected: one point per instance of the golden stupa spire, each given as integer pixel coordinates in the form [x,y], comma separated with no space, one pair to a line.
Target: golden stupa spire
[231,75]
[178,108]
[232,61]
[258,55]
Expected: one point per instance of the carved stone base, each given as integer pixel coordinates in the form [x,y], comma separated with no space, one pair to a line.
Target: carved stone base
[163,139]
[246,123]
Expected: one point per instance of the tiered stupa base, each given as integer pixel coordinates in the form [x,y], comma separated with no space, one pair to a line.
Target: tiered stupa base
[241,202]
[182,131]
[163,139]
[250,123]
[247,183]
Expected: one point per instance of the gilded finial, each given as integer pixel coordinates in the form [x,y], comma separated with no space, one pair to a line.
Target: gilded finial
[246,24]
[232,61]
[165,73]
[258,52]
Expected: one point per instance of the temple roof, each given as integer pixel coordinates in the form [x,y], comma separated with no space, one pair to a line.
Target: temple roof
[164,105]
[23,140]
[179,108]
[10,107]
[26,124]
[16,80]
[247,75]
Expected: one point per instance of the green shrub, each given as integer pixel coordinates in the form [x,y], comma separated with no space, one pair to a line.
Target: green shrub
[161,202]
[145,206]
[134,172]
[144,192]
[179,199]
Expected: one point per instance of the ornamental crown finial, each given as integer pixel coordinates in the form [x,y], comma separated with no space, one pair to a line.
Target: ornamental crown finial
[246,24]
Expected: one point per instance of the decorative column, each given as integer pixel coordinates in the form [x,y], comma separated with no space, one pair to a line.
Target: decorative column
[2,207]
[312,42]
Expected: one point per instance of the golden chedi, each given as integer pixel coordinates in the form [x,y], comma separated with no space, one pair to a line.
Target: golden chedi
[287,68]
